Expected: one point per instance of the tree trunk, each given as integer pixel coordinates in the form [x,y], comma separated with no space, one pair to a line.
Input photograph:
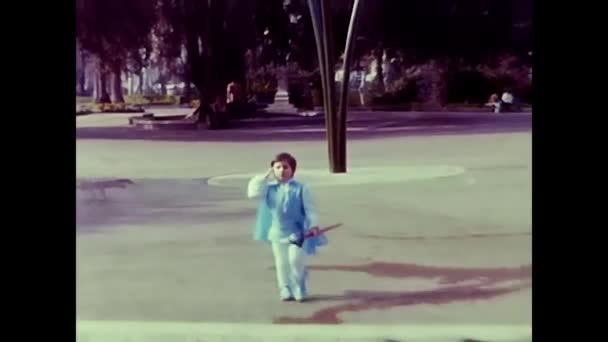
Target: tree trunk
[90,77]
[214,92]
[187,89]
[208,64]
[140,84]
[81,82]
[102,95]
[379,72]
[194,58]
[130,82]
[145,81]
[82,74]
[163,86]
[117,84]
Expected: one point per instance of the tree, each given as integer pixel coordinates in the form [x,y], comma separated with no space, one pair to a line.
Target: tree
[111,30]
[215,35]
[167,42]
[81,64]
[465,28]
[137,60]
[204,36]
[271,27]
[301,43]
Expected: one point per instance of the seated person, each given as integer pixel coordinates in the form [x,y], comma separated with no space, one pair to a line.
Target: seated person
[494,103]
[234,93]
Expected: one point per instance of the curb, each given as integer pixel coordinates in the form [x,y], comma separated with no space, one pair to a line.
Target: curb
[369,117]
[380,109]
[94,331]
[371,129]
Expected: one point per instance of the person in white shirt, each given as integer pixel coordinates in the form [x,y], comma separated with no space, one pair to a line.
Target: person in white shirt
[285,214]
[339,75]
[506,100]
[507,97]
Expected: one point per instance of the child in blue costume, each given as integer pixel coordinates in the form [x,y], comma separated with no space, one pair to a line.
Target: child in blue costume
[285,213]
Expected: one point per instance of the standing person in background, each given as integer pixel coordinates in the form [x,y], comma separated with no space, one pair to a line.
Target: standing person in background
[506,101]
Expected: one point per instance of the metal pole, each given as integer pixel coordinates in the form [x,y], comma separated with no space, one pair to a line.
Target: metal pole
[335,120]
[317,25]
[348,49]
[329,76]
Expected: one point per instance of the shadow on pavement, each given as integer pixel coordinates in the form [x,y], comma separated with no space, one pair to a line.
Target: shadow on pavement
[152,202]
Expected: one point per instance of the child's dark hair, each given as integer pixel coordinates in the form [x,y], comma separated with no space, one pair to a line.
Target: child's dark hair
[286,158]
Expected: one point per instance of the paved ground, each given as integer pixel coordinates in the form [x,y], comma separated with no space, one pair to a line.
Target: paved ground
[440,251]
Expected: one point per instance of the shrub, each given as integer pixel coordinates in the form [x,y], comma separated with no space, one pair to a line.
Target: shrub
[509,72]
[436,84]
[84,99]
[90,108]
[137,99]
[468,86]
[263,81]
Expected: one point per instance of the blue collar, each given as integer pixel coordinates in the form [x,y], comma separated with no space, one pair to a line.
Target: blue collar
[276,182]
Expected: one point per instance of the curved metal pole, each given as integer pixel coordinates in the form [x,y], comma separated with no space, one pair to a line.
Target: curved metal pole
[348,50]
[328,48]
[317,25]
[315,17]
[335,120]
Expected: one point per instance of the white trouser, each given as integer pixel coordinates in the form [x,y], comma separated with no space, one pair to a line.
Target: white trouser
[289,261]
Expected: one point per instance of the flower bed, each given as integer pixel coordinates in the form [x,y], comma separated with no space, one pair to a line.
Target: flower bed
[90,108]
[152,100]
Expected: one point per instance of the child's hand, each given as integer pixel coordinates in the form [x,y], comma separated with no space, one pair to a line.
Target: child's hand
[315,231]
[270,174]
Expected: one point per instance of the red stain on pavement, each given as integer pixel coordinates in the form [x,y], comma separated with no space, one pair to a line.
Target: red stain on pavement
[446,275]
[487,287]
[446,237]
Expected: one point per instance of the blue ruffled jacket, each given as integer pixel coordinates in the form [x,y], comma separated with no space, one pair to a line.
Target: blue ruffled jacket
[293,207]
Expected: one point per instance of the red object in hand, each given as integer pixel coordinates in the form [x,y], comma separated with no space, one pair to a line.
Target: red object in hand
[313,232]
[317,231]
[309,235]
